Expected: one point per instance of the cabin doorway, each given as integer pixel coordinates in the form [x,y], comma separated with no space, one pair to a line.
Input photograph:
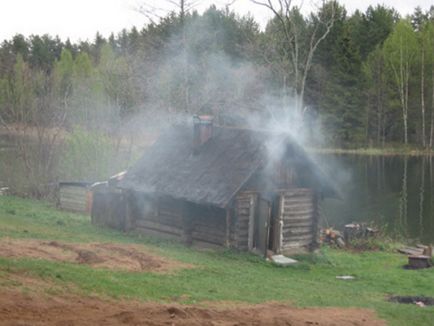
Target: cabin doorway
[274,235]
[262,225]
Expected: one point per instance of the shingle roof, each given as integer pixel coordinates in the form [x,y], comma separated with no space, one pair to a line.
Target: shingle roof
[212,176]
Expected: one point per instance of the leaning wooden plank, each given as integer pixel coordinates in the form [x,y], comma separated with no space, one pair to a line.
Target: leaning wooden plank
[410,251]
[421,246]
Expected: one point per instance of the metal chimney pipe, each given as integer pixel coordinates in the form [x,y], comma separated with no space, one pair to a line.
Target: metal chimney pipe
[202,130]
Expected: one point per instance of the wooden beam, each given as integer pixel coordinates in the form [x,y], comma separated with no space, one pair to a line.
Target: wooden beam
[228,227]
[278,234]
[128,218]
[187,226]
[251,222]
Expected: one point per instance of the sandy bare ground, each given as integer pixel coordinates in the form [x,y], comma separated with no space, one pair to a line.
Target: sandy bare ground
[133,258]
[21,309]
[29,300]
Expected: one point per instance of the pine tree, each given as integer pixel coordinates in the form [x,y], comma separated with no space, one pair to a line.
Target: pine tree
[342,102]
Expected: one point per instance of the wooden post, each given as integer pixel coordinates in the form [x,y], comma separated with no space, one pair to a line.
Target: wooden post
[187,227]
[267,232]
[315,222]
[279,224]
[128,219]
[228,227]
[252,206]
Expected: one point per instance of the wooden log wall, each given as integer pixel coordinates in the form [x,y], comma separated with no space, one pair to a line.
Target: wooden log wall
[209,225]
[73,198]
[160,217]
[245,204]
[178,220]
[298,219]
[109,208]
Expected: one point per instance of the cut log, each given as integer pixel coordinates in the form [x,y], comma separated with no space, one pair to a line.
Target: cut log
[421,246]
[419,261]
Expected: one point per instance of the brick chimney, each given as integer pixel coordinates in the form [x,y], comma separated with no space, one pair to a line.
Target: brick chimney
[202,130]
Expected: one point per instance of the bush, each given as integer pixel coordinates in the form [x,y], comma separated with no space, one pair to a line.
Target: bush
[87,156]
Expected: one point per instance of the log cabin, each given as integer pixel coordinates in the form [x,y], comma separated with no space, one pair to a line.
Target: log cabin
[209,185]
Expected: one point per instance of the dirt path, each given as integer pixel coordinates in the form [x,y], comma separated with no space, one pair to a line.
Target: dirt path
[133,258]
[17,308]
[28,300]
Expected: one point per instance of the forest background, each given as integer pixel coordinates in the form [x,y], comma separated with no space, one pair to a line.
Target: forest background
[339,80]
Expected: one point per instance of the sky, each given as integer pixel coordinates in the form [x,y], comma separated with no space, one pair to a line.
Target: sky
[81,19]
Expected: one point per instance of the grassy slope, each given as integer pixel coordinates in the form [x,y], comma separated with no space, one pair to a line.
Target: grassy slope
[221,275]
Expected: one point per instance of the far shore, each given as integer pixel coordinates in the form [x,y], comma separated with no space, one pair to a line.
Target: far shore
[149,137]
[375,151]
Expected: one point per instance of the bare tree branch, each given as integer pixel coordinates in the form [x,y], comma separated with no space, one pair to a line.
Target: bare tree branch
[152,12]
[300,52]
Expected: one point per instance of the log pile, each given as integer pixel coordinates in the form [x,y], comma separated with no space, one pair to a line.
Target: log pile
[351,232]
[332,237]
[358,231]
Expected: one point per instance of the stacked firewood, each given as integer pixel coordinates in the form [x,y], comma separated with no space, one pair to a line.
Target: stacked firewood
[351,231]
[332,237]
[358,231]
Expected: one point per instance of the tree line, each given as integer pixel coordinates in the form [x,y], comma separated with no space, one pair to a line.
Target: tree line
[368,77]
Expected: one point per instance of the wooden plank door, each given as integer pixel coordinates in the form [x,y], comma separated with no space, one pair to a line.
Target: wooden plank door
[262,226]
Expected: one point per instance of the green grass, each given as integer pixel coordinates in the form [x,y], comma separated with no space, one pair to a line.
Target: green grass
[219,275]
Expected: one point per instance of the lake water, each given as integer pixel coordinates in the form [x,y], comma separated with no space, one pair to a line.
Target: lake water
[394,192]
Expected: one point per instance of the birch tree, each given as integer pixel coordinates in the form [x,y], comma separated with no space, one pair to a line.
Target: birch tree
[400,52]
[422,39]
[429,47]
[419,22]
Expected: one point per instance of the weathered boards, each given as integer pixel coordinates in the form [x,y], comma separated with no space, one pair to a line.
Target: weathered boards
[298,220]
[74,196]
